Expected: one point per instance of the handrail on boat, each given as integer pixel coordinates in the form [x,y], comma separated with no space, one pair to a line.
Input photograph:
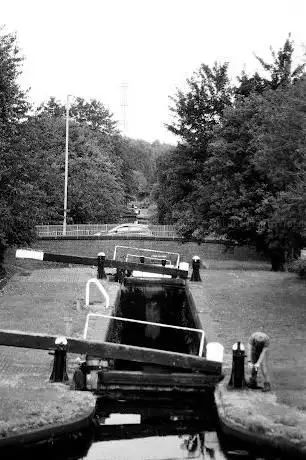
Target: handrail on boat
[160,259]
[201,347]
[149,250]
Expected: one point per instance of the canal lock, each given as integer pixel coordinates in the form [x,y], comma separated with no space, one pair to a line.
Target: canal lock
[179,427]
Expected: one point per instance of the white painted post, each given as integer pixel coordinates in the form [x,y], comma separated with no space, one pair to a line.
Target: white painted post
[214,352]
[101,289]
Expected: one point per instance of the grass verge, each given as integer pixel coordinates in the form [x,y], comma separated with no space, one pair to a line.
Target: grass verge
[39,301]
[243,301]
[261,414]
[28,408]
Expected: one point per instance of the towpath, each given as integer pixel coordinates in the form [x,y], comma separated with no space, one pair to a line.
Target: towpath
[231,305]
[39,301]
[235,303]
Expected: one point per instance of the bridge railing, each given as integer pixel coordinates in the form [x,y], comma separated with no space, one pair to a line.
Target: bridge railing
[92,229]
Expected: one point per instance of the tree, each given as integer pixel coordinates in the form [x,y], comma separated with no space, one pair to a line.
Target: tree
[13,102]
[279,72]
[51,109]
[95,189]
[94,114]
[15,195]
[177,174]
[217,180]
[198,110]
[256,160]
[91,113]
[139,159]
[181,172]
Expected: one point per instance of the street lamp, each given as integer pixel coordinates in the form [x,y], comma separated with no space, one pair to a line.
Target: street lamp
[66,167]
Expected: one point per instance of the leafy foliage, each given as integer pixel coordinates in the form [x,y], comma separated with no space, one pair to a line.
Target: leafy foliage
[95,189]
[280,70]
[299,266]
[91,113]
[240,171]
[15,193]
[13,103]
[255,159]
[32,159]
[278,73]
[94,114]
[198,110]
[140,159]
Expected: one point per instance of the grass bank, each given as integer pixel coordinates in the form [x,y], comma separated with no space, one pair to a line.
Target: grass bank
[243,301]
[39,301]
[239,296]
[240,301]
[262,417]
[38,405]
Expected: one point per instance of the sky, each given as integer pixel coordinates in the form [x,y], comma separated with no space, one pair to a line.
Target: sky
[95,48]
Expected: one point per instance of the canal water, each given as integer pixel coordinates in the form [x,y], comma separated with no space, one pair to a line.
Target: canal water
[157,429]
[146,428]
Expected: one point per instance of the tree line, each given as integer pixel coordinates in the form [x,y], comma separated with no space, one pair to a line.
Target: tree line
[239,169]
[106,169]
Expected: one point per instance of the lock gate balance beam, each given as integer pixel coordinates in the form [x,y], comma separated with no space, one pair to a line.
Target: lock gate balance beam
[112,351]
[93,261]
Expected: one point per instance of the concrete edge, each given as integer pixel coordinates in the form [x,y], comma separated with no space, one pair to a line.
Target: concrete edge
[49,431]
[136,238]
[278,444]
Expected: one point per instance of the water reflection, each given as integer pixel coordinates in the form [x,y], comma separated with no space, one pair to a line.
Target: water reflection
[195,445]
[148,429]
[159,430]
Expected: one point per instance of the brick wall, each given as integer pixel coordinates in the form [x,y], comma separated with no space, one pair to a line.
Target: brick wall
[90,247]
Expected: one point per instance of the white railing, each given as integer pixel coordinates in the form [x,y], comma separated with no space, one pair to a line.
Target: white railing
[164,230]
[171,326]
[143,251]
[152,260]
[90,229]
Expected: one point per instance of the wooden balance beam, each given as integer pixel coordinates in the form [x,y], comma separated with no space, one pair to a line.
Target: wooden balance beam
[110,263]
[112,351]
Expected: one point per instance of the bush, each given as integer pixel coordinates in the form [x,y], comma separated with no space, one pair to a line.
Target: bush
[298,266]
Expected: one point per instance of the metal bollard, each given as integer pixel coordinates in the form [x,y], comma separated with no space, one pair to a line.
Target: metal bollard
[237,379]
[101,262]
[196,262]
[59,371]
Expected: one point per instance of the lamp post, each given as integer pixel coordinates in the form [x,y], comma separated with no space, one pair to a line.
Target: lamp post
[66,167]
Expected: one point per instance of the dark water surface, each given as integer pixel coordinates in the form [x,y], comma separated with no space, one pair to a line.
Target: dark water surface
[145,429]
[183,428]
